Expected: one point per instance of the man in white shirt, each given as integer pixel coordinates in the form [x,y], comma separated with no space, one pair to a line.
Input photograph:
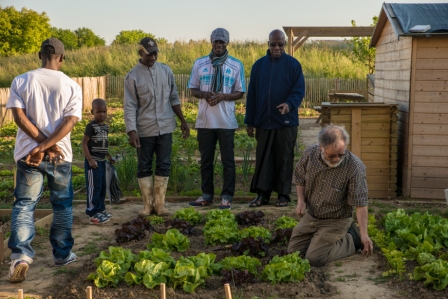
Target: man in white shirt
[217,80]
[46,104]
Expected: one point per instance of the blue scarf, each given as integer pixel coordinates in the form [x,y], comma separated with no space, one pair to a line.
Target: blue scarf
[218,78]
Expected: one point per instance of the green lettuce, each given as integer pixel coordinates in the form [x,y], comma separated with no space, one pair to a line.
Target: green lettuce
[171,240]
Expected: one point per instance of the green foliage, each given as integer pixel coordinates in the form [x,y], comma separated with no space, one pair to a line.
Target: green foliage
[127,170]
[8,129]
[435,273]
[78,181]
[216,214]
[155,219]
[221,232]
[255,232]
[171,240]
[285,222]
[112,266]
[67,37]
[130,37]
[323,60]
[189,214]
[361,51]
[288,268]
[149,273]
[241,262]
[87,38]
[22,31]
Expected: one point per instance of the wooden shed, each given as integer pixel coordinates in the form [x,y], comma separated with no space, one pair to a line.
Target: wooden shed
[411,70]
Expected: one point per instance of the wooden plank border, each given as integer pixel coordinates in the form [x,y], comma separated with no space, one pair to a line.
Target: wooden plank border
[411,118]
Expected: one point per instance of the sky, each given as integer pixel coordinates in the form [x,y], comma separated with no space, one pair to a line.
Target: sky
[196,19]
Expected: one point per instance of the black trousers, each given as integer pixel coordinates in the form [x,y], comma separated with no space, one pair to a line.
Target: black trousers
[161,146]
[207,139]
[275,159]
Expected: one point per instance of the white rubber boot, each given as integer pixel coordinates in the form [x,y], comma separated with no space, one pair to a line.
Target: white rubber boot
[147,189]
[160,185]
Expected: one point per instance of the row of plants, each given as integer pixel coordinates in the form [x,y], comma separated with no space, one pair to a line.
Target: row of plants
[418,237]
[155,266]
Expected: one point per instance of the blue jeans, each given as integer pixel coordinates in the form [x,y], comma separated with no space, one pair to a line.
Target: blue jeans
[207,139]
[96,187]
[161,146]
[28,191]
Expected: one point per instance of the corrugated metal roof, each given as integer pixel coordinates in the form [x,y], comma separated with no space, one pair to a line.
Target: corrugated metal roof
[404,16]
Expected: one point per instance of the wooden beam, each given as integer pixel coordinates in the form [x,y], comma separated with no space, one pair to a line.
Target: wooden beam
[298,38]
[332,31]
[290,41]
[411,121]
[356,132]
[300,43]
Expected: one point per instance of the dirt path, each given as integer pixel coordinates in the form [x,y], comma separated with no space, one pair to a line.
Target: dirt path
[353,277]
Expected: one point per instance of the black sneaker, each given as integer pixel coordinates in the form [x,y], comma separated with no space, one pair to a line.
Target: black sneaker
[201,202]
[354,231]
[99,218]
[70,259]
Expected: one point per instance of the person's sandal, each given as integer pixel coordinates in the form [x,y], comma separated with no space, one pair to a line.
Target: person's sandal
[258,202]
[282,202]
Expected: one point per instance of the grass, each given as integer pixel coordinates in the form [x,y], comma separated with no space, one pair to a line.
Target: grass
[319,59]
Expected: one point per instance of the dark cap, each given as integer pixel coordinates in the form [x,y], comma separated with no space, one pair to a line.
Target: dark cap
[57,45]
[148,45]
[220,34]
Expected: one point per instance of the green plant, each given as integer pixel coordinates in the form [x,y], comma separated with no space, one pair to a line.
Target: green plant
[241,262]
[153,219]
[285,222]
[171,240]
[189,214]
[112,266]
[127,169]
[255,232]
[216,214]
[220,232]
[288,268]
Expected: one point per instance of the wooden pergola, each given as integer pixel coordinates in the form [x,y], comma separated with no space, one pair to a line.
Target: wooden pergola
[297,36]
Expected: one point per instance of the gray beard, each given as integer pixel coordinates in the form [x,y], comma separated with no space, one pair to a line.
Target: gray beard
[329,164]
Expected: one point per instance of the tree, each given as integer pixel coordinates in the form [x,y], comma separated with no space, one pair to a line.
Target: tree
[22,31]
[67,37]
[128,37]
[86,38]
[360,51]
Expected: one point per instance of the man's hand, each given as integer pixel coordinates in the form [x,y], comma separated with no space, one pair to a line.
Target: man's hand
[250,131]
[206,95]
[55,154]
[300,209]
[134,141]
[185,130]
[35,157]
[368,245]
[283,108]
[216,98]
[92,163]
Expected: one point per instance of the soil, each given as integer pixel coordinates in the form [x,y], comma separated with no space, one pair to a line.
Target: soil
[352,277]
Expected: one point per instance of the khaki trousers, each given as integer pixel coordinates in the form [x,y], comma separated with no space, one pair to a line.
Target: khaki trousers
[322,240]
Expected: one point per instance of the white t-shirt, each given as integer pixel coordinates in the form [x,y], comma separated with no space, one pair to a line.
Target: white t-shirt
[221,116]
[47,96]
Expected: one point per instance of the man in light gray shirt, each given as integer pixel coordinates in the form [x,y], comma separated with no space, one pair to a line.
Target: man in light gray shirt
[151,102]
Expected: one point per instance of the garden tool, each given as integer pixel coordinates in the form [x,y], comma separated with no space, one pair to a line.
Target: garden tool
[160,185]
[147,189]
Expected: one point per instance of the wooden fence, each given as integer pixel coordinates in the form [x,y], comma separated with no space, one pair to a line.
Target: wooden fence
[316,88]
[107,87]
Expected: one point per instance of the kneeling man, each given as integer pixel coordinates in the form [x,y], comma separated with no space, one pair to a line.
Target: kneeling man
[330,183]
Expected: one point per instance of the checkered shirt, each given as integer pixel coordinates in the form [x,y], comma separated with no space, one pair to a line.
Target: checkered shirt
[331,192]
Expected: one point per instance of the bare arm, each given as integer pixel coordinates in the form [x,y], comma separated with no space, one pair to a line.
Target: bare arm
[301,204]
[362,216]
[26,126]
[85,150]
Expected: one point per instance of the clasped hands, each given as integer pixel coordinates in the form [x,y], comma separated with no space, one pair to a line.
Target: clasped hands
[53,154]
[213,98]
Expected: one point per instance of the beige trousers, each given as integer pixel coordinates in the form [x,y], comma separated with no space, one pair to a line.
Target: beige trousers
[322,240]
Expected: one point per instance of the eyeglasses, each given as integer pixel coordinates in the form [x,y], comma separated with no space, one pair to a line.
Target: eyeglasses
[273,45]
[331,157]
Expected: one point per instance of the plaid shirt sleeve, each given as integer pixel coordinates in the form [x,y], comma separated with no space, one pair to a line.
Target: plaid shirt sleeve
[357,188]
[298,177]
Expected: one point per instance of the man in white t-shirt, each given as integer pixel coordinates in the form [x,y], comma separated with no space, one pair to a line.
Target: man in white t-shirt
[46,104]
[217,80]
